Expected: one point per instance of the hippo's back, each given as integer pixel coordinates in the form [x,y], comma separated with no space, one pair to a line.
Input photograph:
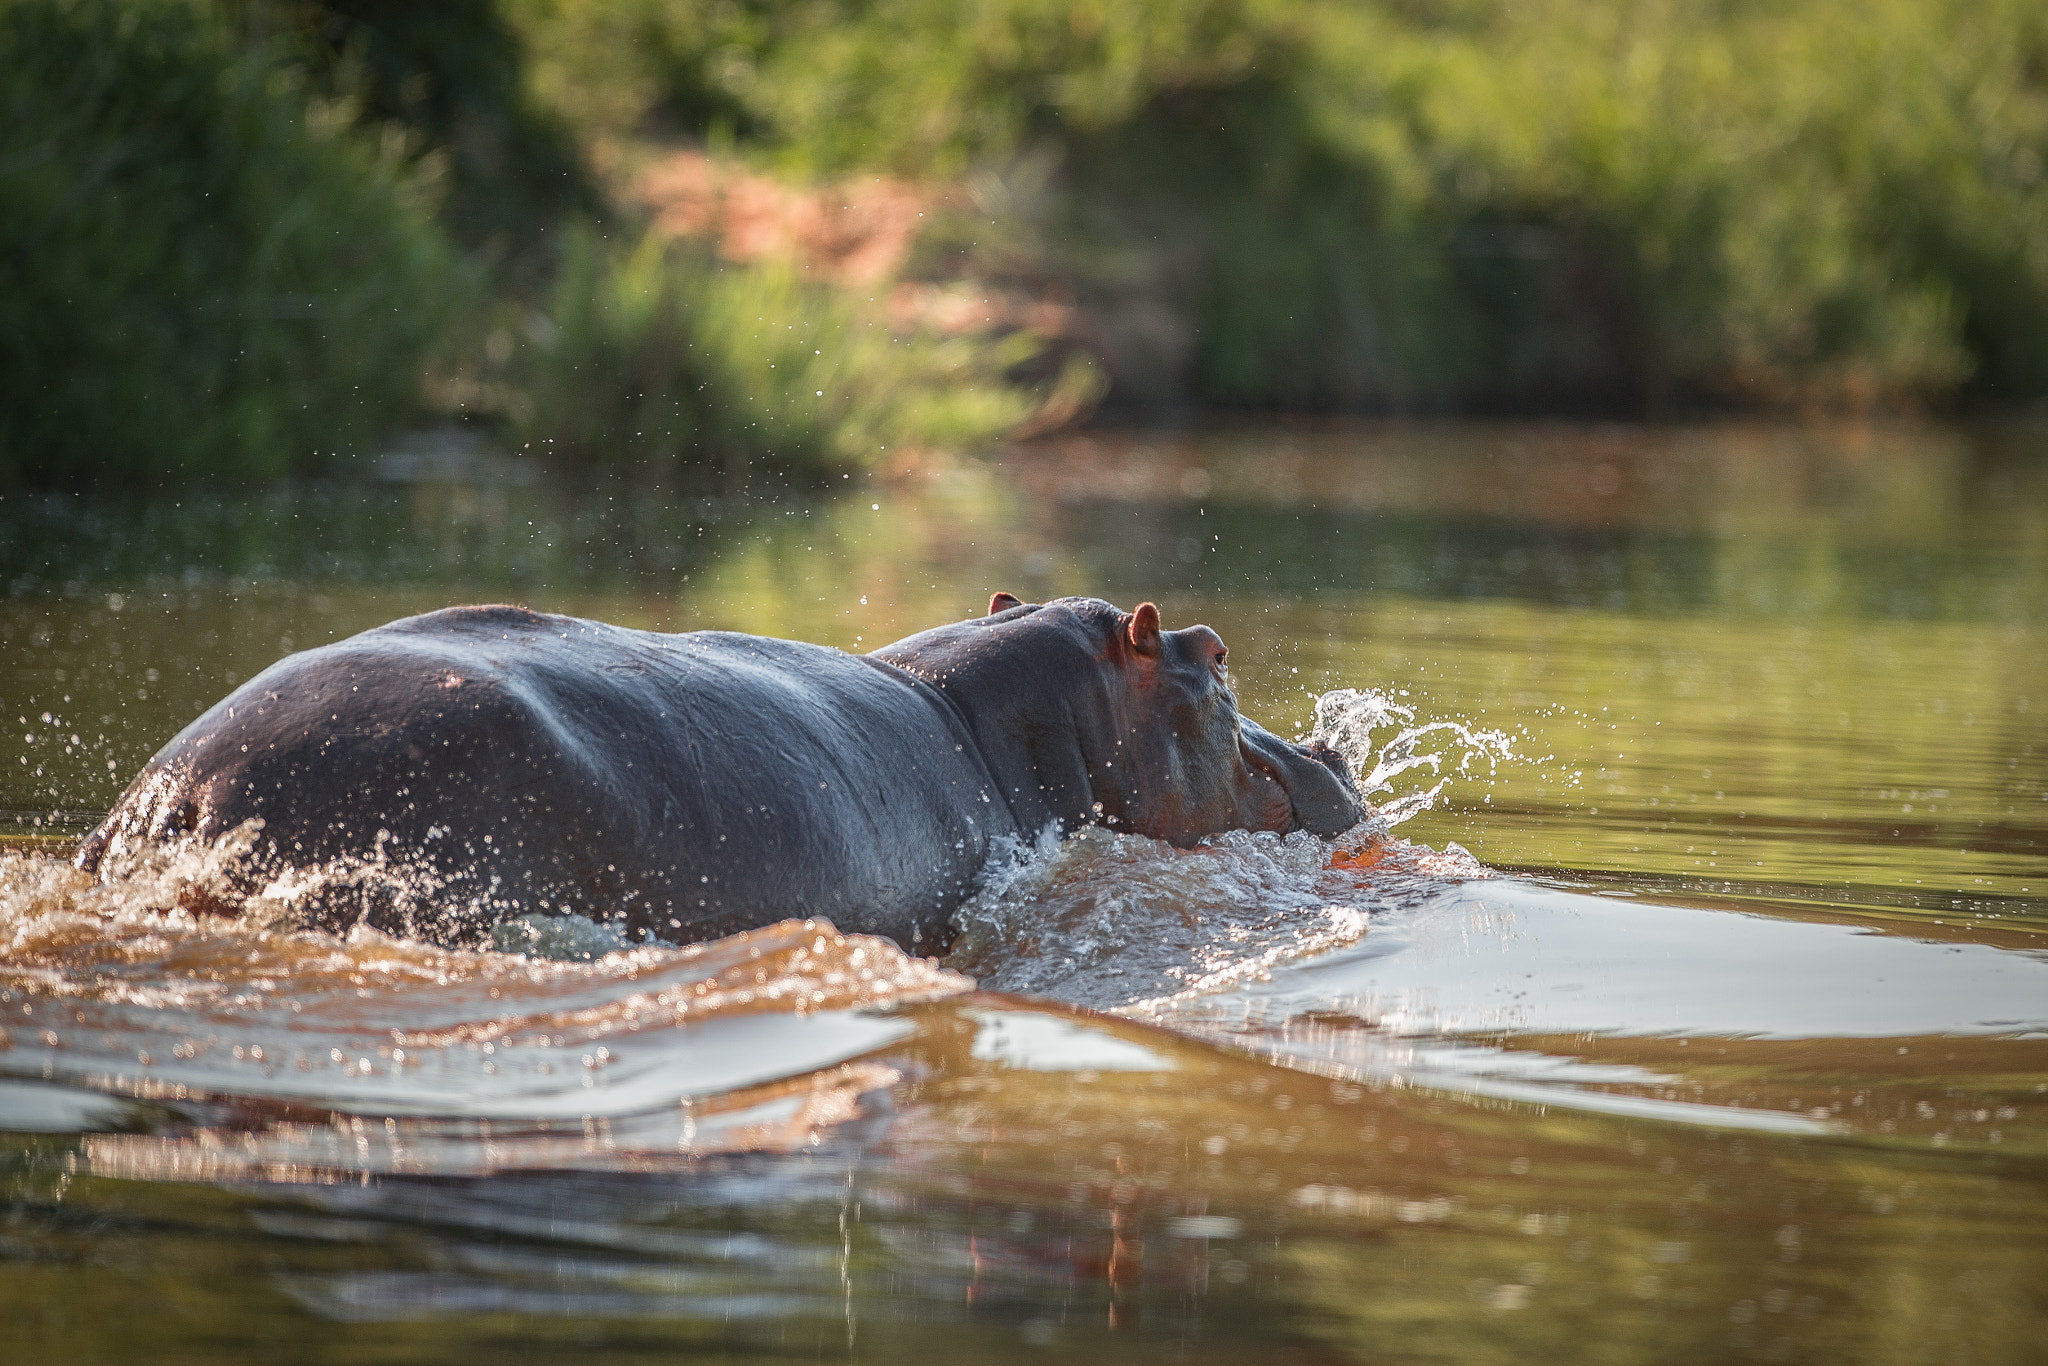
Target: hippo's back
[449,770]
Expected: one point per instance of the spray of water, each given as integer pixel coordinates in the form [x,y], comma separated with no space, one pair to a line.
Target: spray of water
[1347,719]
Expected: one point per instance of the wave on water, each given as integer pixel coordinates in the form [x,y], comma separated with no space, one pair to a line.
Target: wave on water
[135,987]
[1108,920]
[133,941]
[749,1042]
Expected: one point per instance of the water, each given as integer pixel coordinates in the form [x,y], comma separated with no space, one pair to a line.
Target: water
[1689,988]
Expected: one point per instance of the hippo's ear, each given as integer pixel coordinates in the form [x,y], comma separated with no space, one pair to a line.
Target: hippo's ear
[1144,629]
[1003,602]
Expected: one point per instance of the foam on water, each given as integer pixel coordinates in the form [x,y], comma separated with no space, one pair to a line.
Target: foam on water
[1106,920]
[122,987]
[1111,920]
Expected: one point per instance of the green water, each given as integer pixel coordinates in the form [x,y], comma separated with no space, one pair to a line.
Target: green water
[1796,678]
[1788,663]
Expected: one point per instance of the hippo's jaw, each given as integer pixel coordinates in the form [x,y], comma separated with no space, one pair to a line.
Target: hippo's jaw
[1264,803]
[1311,781]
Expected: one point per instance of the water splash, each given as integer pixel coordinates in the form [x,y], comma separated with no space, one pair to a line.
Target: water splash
[1125,922]
[394,888]
[1348,718]
[135,938]
[124,987]
[168,978]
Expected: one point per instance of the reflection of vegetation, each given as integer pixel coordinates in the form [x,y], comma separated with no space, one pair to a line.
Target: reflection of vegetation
[1404,1225]
[489,537]
[1728,753]
[1902,1093]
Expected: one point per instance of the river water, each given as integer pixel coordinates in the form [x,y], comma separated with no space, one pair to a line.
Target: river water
[1687,999]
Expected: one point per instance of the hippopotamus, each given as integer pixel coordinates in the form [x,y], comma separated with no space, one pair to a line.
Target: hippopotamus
[446,772]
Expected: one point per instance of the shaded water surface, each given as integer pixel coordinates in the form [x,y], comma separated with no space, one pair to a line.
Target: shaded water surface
[1688,1000]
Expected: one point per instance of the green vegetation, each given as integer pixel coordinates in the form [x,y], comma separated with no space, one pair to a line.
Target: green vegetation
[445,83]
[1437,203]
[246,235]
[652,355]
[207,272]
[253,240]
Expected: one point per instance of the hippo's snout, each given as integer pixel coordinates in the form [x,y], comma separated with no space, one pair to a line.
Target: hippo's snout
[1318,784]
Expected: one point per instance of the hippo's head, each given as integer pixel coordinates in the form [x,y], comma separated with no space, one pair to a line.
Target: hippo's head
[1192,766]
[1086,713]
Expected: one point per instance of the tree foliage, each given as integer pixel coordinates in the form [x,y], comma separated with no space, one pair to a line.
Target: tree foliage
[206,273]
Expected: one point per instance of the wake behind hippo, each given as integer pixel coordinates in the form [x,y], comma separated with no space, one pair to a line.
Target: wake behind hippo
[446,772]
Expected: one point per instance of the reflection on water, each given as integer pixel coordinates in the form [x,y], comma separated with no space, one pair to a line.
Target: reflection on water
[1174,1200]
[1730,1031]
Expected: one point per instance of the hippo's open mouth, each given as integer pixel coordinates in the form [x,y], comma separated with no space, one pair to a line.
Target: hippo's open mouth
[1321,796]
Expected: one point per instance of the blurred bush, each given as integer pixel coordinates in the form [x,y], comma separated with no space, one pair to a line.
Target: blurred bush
[207,274]
[445,83]
[1522,204]
[656,357]
[243,235]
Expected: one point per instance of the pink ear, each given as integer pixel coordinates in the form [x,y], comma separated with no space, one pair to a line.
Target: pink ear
[1144,629]
[1003,602]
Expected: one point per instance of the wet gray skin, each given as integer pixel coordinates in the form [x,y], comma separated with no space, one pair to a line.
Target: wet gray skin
[447,772]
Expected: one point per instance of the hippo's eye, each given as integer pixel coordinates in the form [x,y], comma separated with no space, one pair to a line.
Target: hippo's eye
[1222,655]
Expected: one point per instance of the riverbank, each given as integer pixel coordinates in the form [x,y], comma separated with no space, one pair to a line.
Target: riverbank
[710,247]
